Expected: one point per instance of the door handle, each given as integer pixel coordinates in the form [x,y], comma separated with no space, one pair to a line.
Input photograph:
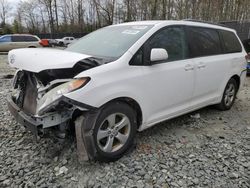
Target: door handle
[201,65]
[189,67]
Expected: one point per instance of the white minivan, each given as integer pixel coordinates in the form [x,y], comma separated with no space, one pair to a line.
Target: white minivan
[125,78]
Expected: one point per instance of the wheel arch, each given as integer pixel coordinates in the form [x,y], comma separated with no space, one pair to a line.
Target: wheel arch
[237,79]
[133,104]
[223,85]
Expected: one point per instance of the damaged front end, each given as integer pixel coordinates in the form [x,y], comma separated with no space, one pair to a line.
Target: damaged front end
[38,100]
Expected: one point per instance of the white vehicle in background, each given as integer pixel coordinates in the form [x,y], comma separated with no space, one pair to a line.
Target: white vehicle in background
[65,41]
[126,78]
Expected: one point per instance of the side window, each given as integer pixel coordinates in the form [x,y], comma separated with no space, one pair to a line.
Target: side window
[231,43]
[204,42]
[30,39]
[172,39]
[18,39]
[5,39]
[138,58]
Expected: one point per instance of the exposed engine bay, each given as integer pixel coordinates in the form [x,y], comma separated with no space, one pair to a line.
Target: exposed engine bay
[47,76]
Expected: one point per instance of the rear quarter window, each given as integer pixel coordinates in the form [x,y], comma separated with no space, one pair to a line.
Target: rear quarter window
[230,42]
[204,42]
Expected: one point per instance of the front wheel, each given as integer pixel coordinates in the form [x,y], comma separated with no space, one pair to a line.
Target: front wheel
[229,95]
[114,131]
[61,44]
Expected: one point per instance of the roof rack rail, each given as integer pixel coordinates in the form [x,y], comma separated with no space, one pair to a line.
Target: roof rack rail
[202,21]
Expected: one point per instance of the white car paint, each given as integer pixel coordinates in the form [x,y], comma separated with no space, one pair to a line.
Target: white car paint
[163,91]
[66,40]
[158,54]
[43,59]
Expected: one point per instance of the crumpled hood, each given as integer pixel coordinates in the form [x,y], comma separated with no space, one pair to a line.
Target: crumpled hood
[39,59]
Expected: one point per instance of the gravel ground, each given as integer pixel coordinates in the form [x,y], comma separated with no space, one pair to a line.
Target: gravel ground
[4,68]
[206,148]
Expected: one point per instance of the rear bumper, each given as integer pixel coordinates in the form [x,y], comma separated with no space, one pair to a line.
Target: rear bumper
[29,122]
[242,79]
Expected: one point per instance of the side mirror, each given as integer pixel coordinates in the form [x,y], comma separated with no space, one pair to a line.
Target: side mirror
[158,54]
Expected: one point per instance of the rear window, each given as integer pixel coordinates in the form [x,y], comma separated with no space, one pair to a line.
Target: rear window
[231,42]
[204,42]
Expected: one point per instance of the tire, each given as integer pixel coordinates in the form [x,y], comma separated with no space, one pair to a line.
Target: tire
[61,44]
[107,135]
[229,95]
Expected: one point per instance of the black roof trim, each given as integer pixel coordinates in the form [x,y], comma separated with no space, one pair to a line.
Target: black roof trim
[207,22]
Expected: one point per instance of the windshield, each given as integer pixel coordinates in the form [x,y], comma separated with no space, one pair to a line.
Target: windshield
[110,42]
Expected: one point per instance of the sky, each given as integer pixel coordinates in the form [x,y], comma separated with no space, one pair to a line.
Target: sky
[13,4]
[13,1]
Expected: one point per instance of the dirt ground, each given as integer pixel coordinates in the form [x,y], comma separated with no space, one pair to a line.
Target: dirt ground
[206,148]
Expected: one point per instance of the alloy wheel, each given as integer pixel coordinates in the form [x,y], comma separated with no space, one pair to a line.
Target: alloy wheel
[229,94]
[113,132]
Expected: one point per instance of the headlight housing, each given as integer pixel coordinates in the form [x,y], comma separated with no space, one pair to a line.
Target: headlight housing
[54,94]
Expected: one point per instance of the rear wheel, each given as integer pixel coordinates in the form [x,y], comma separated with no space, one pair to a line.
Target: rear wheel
[114,131]
[229,95]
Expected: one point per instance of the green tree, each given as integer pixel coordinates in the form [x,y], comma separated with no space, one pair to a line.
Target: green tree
[16,28]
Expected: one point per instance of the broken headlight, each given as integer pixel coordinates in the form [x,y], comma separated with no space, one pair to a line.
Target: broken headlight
[54,94]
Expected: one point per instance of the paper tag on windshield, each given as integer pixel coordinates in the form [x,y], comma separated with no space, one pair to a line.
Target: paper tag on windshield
[130,32]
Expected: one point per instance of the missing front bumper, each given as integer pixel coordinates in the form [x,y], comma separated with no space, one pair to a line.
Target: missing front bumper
[34,123]
[83,126]
[27,121]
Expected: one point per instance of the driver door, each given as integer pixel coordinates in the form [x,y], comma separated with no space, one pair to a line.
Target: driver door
[170,83]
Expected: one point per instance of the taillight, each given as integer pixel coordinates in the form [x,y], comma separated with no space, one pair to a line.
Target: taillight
[247,57]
